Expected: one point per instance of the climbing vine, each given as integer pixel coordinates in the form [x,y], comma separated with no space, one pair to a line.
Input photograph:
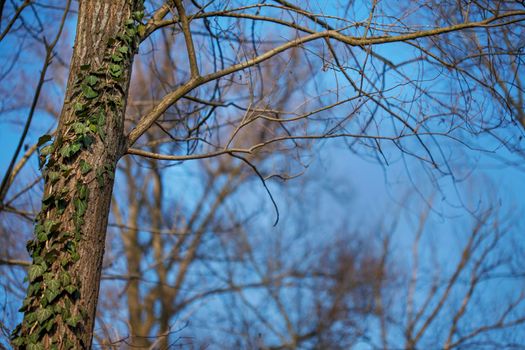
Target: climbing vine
[53,291]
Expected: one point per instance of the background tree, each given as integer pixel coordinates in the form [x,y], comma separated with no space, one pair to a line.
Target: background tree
[257,84]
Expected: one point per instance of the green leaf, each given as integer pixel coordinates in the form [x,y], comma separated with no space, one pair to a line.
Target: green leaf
[41,236]
[30,317]
[51,294]
[91,80]
[88,92]
[65,279]
[138,15]
[35,346]
[79,128]
[85,67]
[116,57]
[76,257]
[19,341]
[49,325]
[64,151]
[79,107]
[53,284]
[123,49]
[115,67]
[101,118]
[85,140]
[85,167]
[82,191]
[75,148]
[61,206]
[43,139]
[48,277]
[73,320]
[80,206]
[116,74]
[124,38]
[131,32]
[35,271]
[65,169]
[71,289]
[64,261]
[43,314]
[51,226]
[33,288]
[115,70]
[129,22]
[141,29]
[53,176]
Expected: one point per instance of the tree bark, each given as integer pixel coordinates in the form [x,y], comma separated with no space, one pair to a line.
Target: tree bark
[70,231]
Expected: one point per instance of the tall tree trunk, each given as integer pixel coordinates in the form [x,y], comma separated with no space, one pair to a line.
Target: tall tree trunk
[59,311]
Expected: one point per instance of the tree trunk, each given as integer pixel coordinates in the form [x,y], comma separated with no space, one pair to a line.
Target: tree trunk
[60,307]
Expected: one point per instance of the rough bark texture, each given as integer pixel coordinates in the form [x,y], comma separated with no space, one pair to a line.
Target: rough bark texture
[79,182]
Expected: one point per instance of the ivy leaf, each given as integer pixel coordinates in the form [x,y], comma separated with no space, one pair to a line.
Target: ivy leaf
[115,70]
[71,289]
[79,107]
[75,256]
[33,288]
[69,150]
[123,49]
[52,293]
[19,341]
[116,57]
[65,279]
[43,139]
[101,119]
[115,67]
[41,236]
[35,346]
[85,167]
[53,176]
[43,314]
[79,128]
[88,92]
[73,320]
[30,317]
[86,140]
[138,15]
[50,226]
[35,271]
[64,151]
[131,31]
[82,191]
[53,285]
[91,80]
[49,325]
[80,206]
[63,262]
[141,29]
